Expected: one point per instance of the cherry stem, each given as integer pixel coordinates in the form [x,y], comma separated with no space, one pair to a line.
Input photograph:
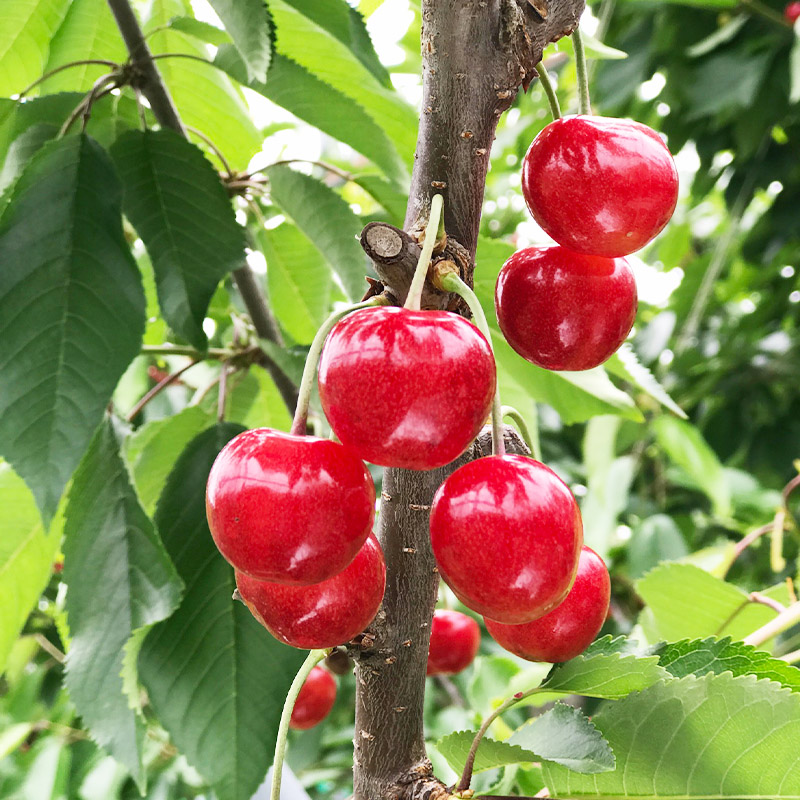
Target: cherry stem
[313,658]
[157,389]
[786,619]
[414,299]
[584,105]
[217,152]
[310,369]
[549,91]
[791,658]
[522,427]
[451,282]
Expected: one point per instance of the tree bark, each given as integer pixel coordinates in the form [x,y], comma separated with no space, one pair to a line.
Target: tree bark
[476,56]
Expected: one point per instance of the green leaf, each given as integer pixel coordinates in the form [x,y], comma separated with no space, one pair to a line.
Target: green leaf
[394,200]
[151,452]
[314,48]
[326,220]
[268,410]
[175,200]
[22,150]
[715,4]
[28,26]
[298,279]
[248,23]
[625,364]
[721,36]
[27,552]
[200,30]
[88,31]
[216,679]
[206,97]
[685,602]
[712,737]
[596,49]
[133,584]
[686,447]
[489,681]
[71,311]
[564,735]
[491,753]
[655,539]
[699,657]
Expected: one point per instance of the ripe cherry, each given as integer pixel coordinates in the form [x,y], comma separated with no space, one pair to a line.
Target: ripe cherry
[289,509]
[324,614]
[569,629]
[599,185]
[564,310]
[455,639]
[406,388]
[506,532]
[791,13]
[315,700]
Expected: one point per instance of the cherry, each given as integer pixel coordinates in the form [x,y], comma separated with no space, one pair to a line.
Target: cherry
[406,388]
[570,628]
[564,310]
[455,639]
[289,509]
[599,185]
[506,532]
[315,700]
[791,13]
[324,614]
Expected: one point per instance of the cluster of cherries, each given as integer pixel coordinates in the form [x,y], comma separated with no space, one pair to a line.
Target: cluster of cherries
[407,388]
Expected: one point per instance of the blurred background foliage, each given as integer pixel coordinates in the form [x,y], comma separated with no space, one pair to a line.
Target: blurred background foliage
[718,323]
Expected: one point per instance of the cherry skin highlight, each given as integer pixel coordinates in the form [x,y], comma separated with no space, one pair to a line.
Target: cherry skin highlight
[791,13]
[455,639]
[324,614]
[599,185]
[289,509]
[315,700]
[571,627]
[564,310]
[405,388]
[506,532]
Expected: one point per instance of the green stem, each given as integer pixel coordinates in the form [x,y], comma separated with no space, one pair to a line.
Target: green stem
[451,282]
[785,620]
[414,298]
[584,106]
[310,369]
[550,92]
[522,426]
[313,658]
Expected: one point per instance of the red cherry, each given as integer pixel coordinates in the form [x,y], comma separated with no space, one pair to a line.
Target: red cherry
[455,639]
[506,532]
[792,12]
[564,310]
[324,614]
[599,185]
[406,388]
[289,509]
[315,700]
[569,629]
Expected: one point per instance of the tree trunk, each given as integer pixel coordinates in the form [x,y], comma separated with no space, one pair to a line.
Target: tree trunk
[476,56]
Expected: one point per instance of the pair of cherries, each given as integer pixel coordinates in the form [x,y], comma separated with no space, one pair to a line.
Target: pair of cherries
[602,188]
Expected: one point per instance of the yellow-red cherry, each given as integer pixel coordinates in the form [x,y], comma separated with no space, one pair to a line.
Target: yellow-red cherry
[600,185]
[406,388]
[506,533]
[315,701]
[323,614]
[571,627]
[455,639]
[564,310]
[289,509]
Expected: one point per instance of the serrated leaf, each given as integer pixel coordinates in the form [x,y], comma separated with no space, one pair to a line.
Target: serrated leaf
[299,281]
[88,31]
[626,365]
[27,552]
[685,601]
[200,30]
[28,26]
[712,737]
[133,584]
[248,23]
[701,656]
[151,452]
[326,220]
[175,200]
[71,311]
[215,678]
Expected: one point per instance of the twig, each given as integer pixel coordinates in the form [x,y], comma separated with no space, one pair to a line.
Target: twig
[217,151]
[345,176]
[157,389]
[786,619]
[179,350]
[83,62]
[49,648]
